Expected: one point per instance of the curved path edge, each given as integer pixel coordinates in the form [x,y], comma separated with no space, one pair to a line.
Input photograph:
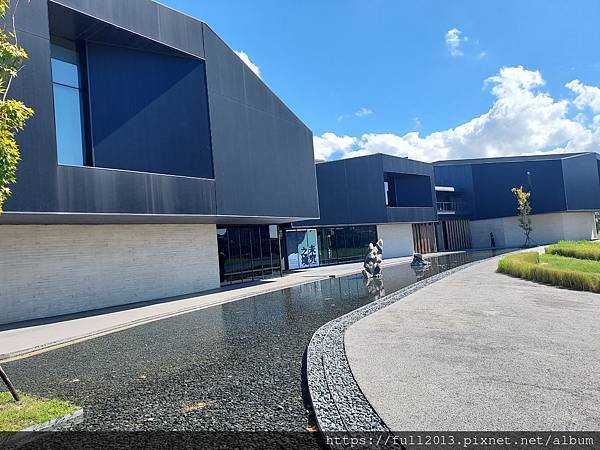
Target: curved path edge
[338,402]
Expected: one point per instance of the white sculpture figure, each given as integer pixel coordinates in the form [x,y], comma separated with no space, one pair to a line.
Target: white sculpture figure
[372,266]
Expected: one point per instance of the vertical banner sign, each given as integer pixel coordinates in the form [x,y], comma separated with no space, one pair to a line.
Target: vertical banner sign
[303,249]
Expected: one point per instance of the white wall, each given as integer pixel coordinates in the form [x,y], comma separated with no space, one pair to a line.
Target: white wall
[49,270]
[547,229]
[397,239]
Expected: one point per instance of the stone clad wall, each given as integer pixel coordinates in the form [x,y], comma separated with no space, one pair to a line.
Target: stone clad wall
[397,239]
[50,270]
[547,229]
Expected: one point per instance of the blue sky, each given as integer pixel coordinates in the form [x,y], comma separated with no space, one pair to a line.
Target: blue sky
[365,75]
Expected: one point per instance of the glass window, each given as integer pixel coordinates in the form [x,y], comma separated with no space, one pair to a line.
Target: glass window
[386,186]
[343,244]
[68,111]
[247,253]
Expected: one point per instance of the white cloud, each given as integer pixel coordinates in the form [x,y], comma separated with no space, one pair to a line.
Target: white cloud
[329,143]
[253,67]
[362,112]
[454,40]
[587,96]
[416,122]
[459,44]
[524,119]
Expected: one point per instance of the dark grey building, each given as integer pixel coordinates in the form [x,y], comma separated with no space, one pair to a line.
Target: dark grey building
[565,194]
[443,206]
[149,134]
[363,199]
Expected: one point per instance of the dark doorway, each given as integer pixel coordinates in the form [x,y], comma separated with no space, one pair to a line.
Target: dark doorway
[248,253]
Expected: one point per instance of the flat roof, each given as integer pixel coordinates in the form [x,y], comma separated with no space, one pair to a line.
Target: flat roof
[538,157]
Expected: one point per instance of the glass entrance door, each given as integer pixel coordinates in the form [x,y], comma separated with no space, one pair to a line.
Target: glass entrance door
[248,253]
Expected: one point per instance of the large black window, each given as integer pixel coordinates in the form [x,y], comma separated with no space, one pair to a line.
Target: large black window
[248,253]
[407,190]
[68,103]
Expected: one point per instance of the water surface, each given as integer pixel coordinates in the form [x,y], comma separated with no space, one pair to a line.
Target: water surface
[236,366]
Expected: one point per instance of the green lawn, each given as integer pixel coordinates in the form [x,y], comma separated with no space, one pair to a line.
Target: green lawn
[578,265]
[16,416]
[571,273]
[576,249]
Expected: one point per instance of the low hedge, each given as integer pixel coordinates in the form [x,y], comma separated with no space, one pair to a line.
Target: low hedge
[576,249]
[527,266]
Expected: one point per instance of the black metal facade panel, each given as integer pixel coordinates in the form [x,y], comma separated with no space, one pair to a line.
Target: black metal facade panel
[92,190]
[351,191]
[557,182]
[31,17]
[493,184]
[405,166]
[224,70]
[263,155]
[139,16]
[411,215]
[35,189]
[582,182]
[180,31]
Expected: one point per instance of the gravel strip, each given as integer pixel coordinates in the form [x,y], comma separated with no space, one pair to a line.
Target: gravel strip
[338,402]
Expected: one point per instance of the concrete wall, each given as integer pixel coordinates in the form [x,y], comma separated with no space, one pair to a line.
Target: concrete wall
[397,239]
[50,270]
[547,229]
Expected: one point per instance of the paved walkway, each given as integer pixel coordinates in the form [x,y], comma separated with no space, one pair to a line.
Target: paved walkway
[40,336]
[482,351]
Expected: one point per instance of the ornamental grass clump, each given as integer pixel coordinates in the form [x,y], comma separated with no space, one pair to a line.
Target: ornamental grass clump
[529,266]
[576,249]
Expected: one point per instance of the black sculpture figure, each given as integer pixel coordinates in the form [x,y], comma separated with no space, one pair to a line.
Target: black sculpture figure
[419,261]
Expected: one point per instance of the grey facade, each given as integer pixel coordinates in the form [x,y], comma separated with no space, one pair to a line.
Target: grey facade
[558,182]
[449,205]
[362,200]
[353,191]
[178,128]
[157,164]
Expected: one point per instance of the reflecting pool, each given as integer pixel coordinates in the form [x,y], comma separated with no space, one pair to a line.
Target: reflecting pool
[236,366]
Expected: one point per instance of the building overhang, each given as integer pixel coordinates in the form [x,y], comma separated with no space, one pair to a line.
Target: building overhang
[57,218]
[444,189]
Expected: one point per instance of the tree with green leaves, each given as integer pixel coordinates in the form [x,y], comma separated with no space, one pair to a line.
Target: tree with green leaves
[13,113]
[524,211]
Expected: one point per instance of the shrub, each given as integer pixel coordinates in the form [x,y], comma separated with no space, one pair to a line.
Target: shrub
[576,249]
[527,266]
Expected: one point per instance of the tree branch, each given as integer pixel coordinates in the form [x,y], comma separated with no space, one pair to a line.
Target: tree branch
[16,38]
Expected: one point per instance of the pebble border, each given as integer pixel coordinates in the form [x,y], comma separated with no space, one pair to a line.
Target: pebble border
[338,403]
